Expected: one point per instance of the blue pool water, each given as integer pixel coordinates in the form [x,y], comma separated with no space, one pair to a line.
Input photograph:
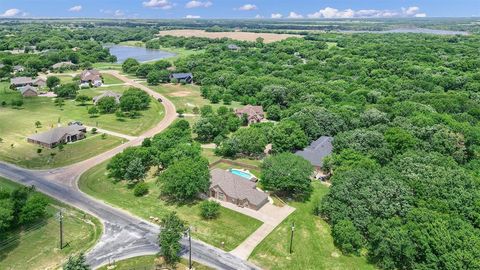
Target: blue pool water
[241,174]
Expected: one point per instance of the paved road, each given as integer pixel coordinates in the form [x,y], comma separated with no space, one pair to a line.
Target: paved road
[125,235]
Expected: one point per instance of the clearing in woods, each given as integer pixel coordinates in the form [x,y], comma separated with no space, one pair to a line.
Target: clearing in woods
[244,36]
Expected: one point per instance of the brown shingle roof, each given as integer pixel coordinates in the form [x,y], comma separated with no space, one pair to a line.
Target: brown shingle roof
[236,186]
[90,75]
[251,112]
[55,135]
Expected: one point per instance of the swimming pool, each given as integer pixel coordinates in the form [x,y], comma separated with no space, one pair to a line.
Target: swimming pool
[245,174]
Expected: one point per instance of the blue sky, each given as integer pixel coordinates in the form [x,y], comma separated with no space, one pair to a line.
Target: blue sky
[239,8]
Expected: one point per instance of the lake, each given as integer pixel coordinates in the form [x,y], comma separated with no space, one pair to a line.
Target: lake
[142,54]
[412,30]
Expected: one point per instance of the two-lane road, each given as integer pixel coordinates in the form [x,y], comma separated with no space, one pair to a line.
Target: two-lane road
[125,235]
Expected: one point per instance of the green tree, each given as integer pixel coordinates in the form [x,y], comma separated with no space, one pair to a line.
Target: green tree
[6,214]
[130,65]
[82,99]
[347,237]
[135,171]
[52,82]
[68,90]
[171,232]
[185,179]
[93,111]
[107,105]
[288,136]
[34,209]
[209,209]
[76,263]
[287,174]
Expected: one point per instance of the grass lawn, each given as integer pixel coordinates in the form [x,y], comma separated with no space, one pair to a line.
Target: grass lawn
[38,248]
[107,66]
[25,154]
[150,263]
[313,246]
[231,227]
[186,96]
[110,79]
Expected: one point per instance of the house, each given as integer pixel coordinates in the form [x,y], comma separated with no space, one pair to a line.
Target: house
[228,187]
[59,65]
[254,114]
[316,152]
[233,47]
[117,96]
[28,91]
[18,68]
[58,135]
[24,81]
[182,77]
[91,76]
[21,81]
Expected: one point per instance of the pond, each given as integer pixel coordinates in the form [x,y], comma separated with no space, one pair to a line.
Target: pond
[142,54]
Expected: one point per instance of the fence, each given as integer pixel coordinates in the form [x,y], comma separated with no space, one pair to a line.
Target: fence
[233,163]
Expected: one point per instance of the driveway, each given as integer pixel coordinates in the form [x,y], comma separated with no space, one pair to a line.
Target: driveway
[269,214]
[124,235]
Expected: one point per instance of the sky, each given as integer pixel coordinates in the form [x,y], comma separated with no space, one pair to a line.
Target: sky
[230,9]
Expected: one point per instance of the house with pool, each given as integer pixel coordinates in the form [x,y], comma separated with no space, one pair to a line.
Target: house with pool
[237,187]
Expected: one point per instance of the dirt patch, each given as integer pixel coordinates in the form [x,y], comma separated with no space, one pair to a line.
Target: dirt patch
[245,36]
[180,94]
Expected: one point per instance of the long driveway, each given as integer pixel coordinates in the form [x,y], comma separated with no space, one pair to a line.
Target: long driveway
[125,235]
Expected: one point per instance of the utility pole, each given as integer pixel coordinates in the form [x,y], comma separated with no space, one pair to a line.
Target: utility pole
[291,237]
[60,219]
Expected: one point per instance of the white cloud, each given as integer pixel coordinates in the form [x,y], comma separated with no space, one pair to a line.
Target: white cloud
[10,12]
[411,10]
[294,15]
[158,4]
[258,16]
[276,16]
[119,13]
[248,7]
[192,17]
[197,4]
[75,9]
[329,12]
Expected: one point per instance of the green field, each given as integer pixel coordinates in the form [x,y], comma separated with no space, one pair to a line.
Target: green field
[38,247]
[231,227]
[17,124]
[186,96]
[313,246]
[110,79]
[150,263]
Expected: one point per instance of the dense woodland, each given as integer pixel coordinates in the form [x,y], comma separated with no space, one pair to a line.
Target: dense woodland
[404,113]
[403,108]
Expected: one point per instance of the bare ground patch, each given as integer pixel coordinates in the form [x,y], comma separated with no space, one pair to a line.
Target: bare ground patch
[244,36]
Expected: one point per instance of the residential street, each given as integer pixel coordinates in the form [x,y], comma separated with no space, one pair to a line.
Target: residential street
[124,235]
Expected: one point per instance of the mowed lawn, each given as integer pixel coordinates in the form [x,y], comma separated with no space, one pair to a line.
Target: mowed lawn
[313,246]
[17,124]
[38,247]
[231,227]
[187,96]
[150,263]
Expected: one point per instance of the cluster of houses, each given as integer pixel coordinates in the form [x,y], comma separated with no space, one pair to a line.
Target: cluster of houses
[28,86]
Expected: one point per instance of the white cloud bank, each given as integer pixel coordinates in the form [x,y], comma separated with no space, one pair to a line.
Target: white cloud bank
[248,7]
[75,9]
[10,12]
[333,13]
[192,17]
[294,15]
[276,16]
[198,4]
[158,4]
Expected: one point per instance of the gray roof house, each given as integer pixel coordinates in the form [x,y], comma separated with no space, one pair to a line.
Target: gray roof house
[233,47]
[18,68]
[231,188]
[187,77]
[63,65]
[317,151]
[28,91]
[24,81]
[117,96]
[58,135]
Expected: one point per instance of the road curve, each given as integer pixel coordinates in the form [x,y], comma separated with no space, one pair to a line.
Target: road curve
[125,235]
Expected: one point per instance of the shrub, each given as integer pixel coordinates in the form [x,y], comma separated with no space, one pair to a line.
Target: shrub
[209,209]
[94,130]
[140,189]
